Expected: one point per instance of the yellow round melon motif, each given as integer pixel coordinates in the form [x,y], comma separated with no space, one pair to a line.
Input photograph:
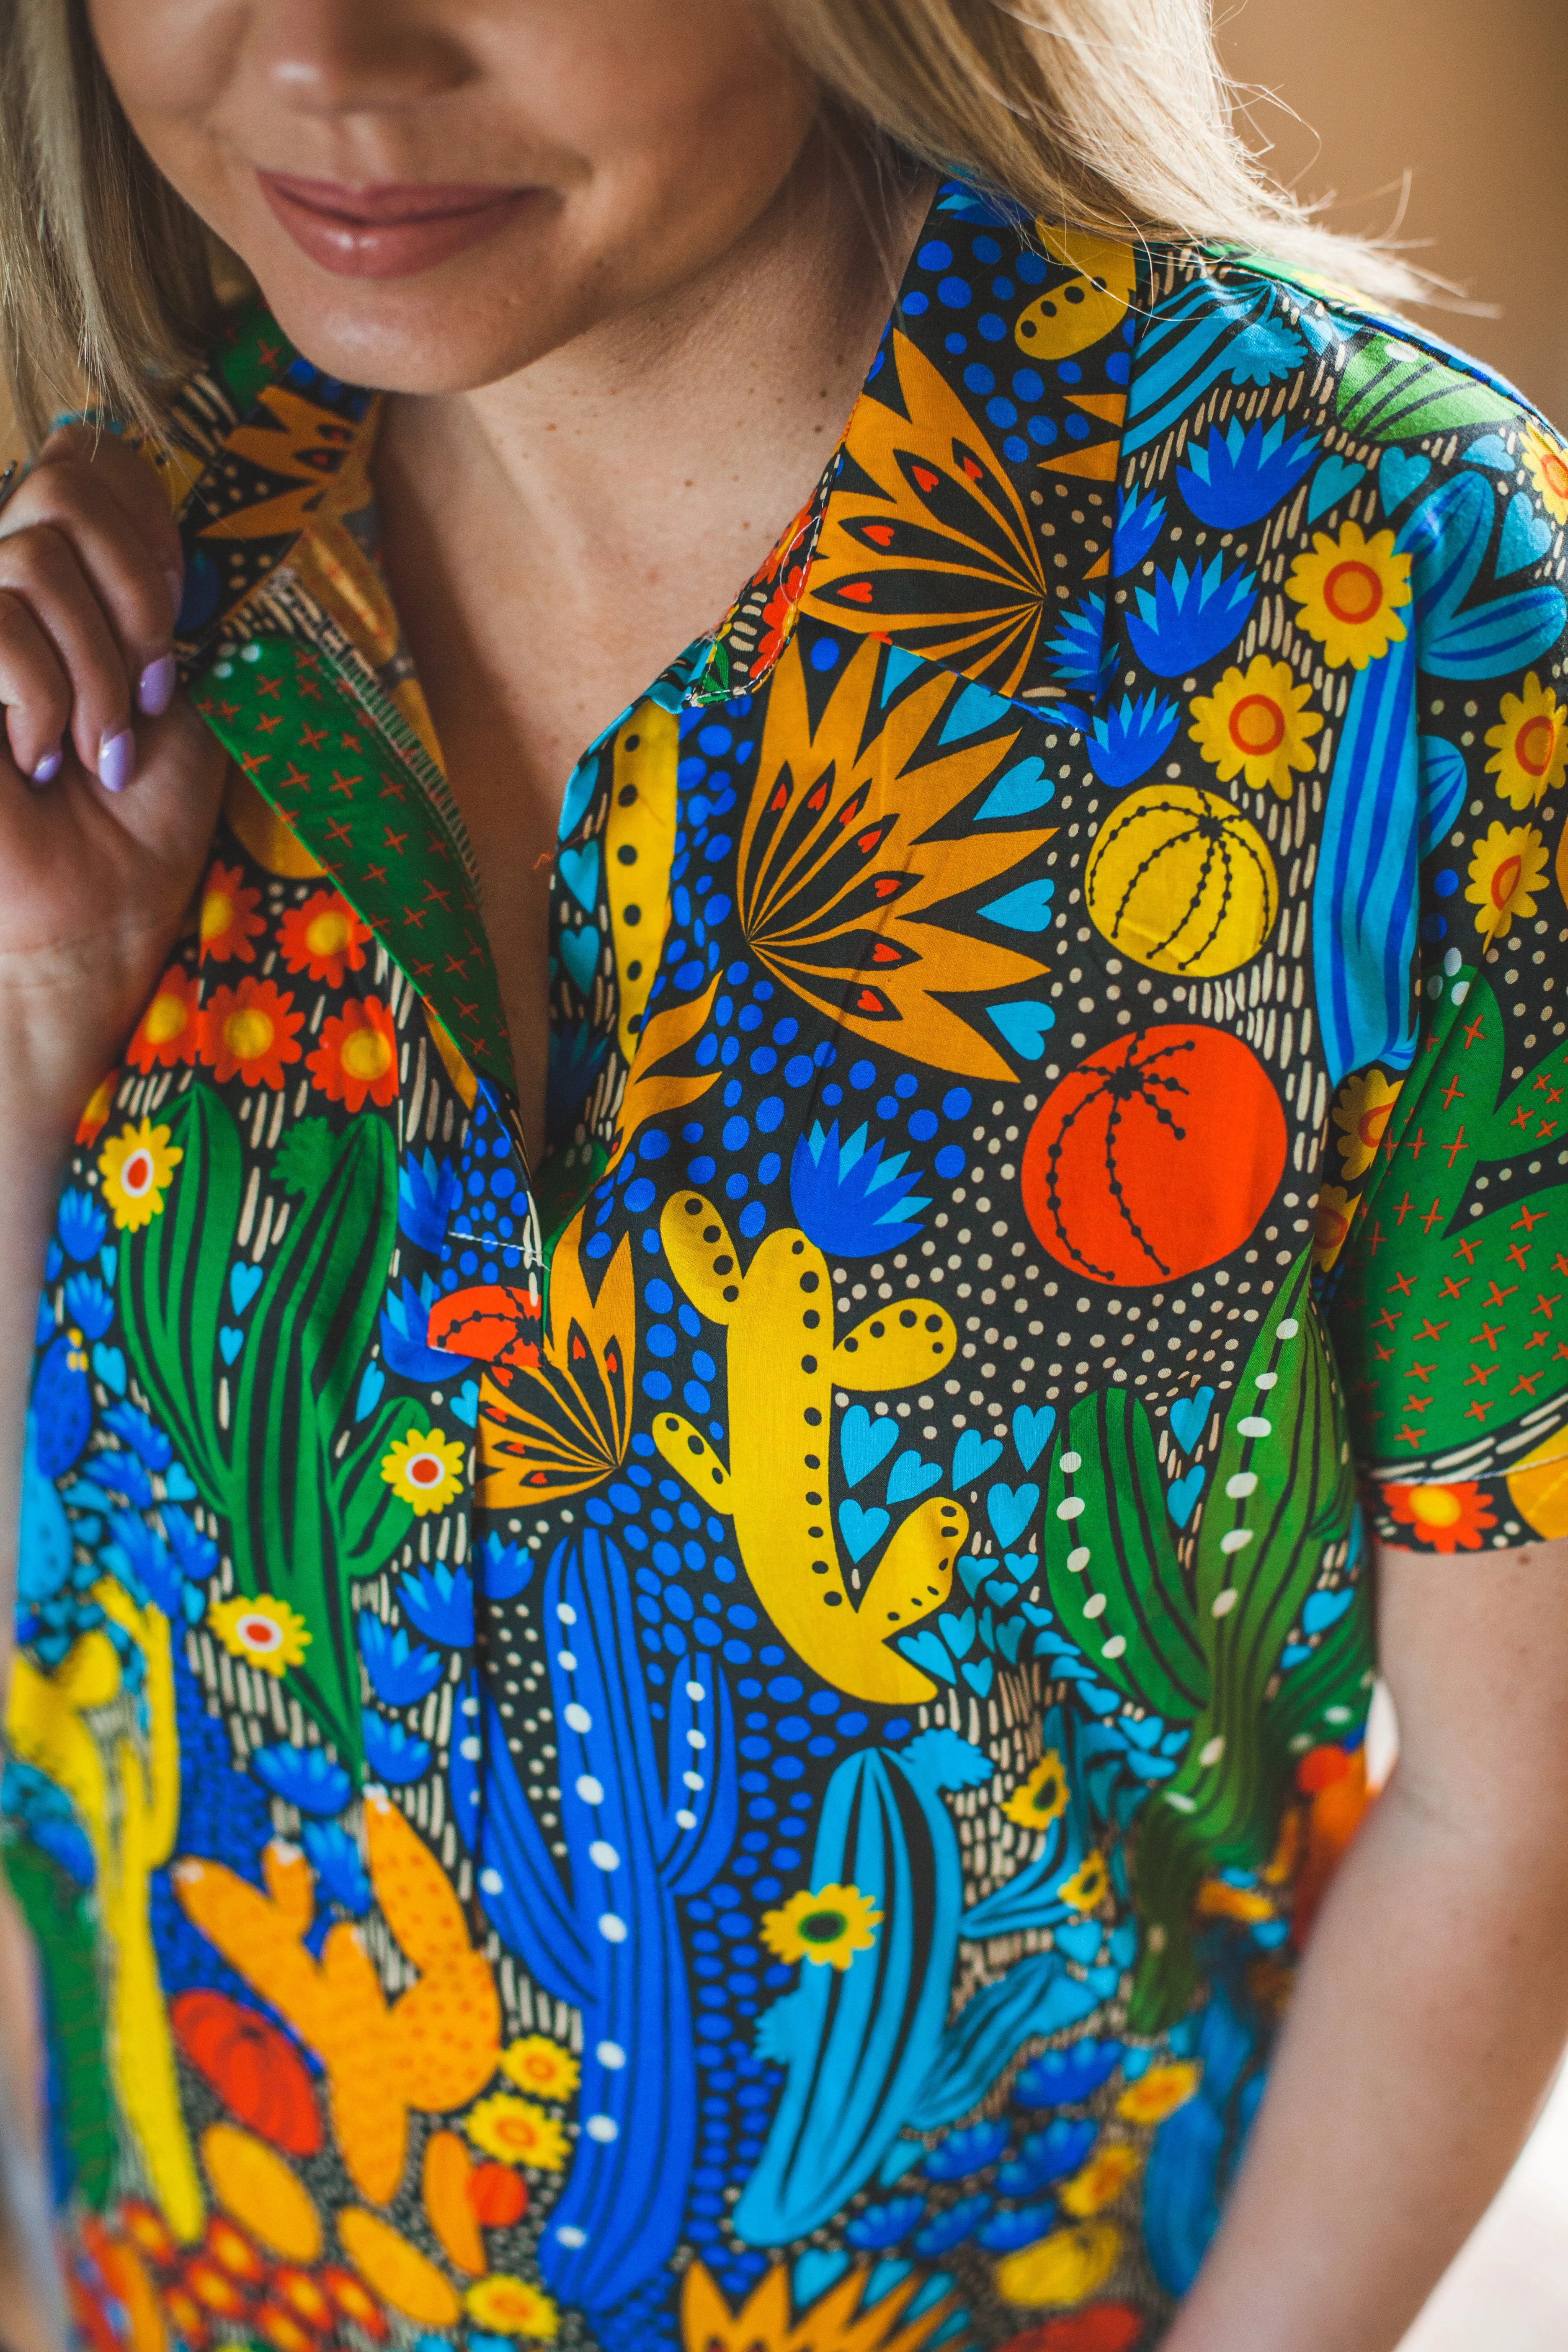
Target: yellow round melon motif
[252,2181]
[1180,881]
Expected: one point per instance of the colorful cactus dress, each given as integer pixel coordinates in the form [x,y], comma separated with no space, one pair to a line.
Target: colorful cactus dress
[731,1741]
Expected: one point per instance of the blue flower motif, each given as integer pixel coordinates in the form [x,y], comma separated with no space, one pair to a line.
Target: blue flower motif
[1046,2155]
[392,1753]
[1062,2078]
[83,1225]
[427,1193]
[140,1559]
[51,1822]
[507,1568]
[88,1304]
[951,2228]
[335,1859]
[197,1554]
[1234,477]
[1138,521]
[120,1474]
[1021,2227]
[847,1198]
[963,2152]
[305,1777]
[62,1406]
[1126,741]
[1263,351]
[884,2225]
[405,1327]
[143,1436]
[440,1601]
[1079,648]
[1191,616]
[400,1673]
[44,1550]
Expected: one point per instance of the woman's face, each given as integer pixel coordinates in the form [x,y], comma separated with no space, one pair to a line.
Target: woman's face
[433,194]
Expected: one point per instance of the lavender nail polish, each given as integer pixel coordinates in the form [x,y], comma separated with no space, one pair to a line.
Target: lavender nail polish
[48,768]
[116,759]
[155,687]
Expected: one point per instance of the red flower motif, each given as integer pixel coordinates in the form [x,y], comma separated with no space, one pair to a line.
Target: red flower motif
[778,616]
[168,1032]
[250,1030]
[1448,1518]
[1101,2327]
[497,2196]
[228,919]
[324,938]
[357,1056]
[256,2071]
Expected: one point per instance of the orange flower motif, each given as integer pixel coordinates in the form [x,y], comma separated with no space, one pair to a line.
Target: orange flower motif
[250,1030]
[168,1031]
[779,614]
[324,938]
[95,1117]
[357,1055]
[1448,1518]
[354,2300]
[228,920]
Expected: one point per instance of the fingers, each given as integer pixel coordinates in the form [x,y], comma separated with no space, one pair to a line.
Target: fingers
[89,588]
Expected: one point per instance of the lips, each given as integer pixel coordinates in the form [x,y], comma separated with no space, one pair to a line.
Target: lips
[391,229]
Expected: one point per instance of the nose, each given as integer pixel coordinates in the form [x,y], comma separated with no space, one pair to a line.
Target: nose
[352,56]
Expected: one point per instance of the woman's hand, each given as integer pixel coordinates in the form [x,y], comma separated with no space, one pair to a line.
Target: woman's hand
[108,783]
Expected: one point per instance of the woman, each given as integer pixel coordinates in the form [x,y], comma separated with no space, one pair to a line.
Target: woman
[694,1629]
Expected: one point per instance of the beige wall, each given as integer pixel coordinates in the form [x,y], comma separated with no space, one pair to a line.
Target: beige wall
[1472,96]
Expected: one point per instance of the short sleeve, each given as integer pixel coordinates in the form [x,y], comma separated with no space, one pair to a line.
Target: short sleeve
[1443,1217]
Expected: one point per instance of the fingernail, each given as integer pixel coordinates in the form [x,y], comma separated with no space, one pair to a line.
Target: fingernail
[49,767]
[176,589]
[116,759]
[155,687]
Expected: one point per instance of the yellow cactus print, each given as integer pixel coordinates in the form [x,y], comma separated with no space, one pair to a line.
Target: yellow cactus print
[639,842]
[781,1420]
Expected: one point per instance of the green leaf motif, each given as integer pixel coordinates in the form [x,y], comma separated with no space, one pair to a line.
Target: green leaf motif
[1391,391]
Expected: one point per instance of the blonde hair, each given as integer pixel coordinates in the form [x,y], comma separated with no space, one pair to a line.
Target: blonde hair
[1101,114]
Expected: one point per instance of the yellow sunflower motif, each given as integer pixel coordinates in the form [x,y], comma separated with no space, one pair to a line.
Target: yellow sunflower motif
[1089,1885]
[517,2132]
[1349,590]
[1101,2180]
[1547,460]
[1160,2092]
[511,2306]
[426,1468]
[1042,1799]
[538,2065]
[1335,1210]
[264,1632]
[1256,724]
[138,1166]
[1362,1112]
[1507,870]
[1530,744]
[827,1926]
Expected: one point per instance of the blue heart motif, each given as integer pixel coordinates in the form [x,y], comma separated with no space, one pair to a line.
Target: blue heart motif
[370,1389]
[911,1476]
[1001,1588]
[1190,1418]
[1009,1510]
[978,1676]
[179,1487]
[864,1444]
[1183,1495]
[580,954]
[1008,1637]
[229,1342]
[1027,908]
[1079,1939]
[109,1258]
[579,869]
[1335,479]
[1526,535]
[973,1456]
[244,1282]
[1145,1733]
[1399,476]
[110,1365]
[1326,1609]
[1023,789]
[1020,1564]
[926,1650]
[861,1529]
[1032,1427]
[958,1632]
[1489,451]
[1105,1982]
[1025,1026]
[465,1406]
[973,1572]
[1035,1615]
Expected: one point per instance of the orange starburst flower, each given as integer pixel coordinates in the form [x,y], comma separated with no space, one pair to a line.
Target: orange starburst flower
[323,938]
[249,1031]
[1450,1518]
[357,1057]
[353,2299]
[167,1033]
[228,918]
[230,2247]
